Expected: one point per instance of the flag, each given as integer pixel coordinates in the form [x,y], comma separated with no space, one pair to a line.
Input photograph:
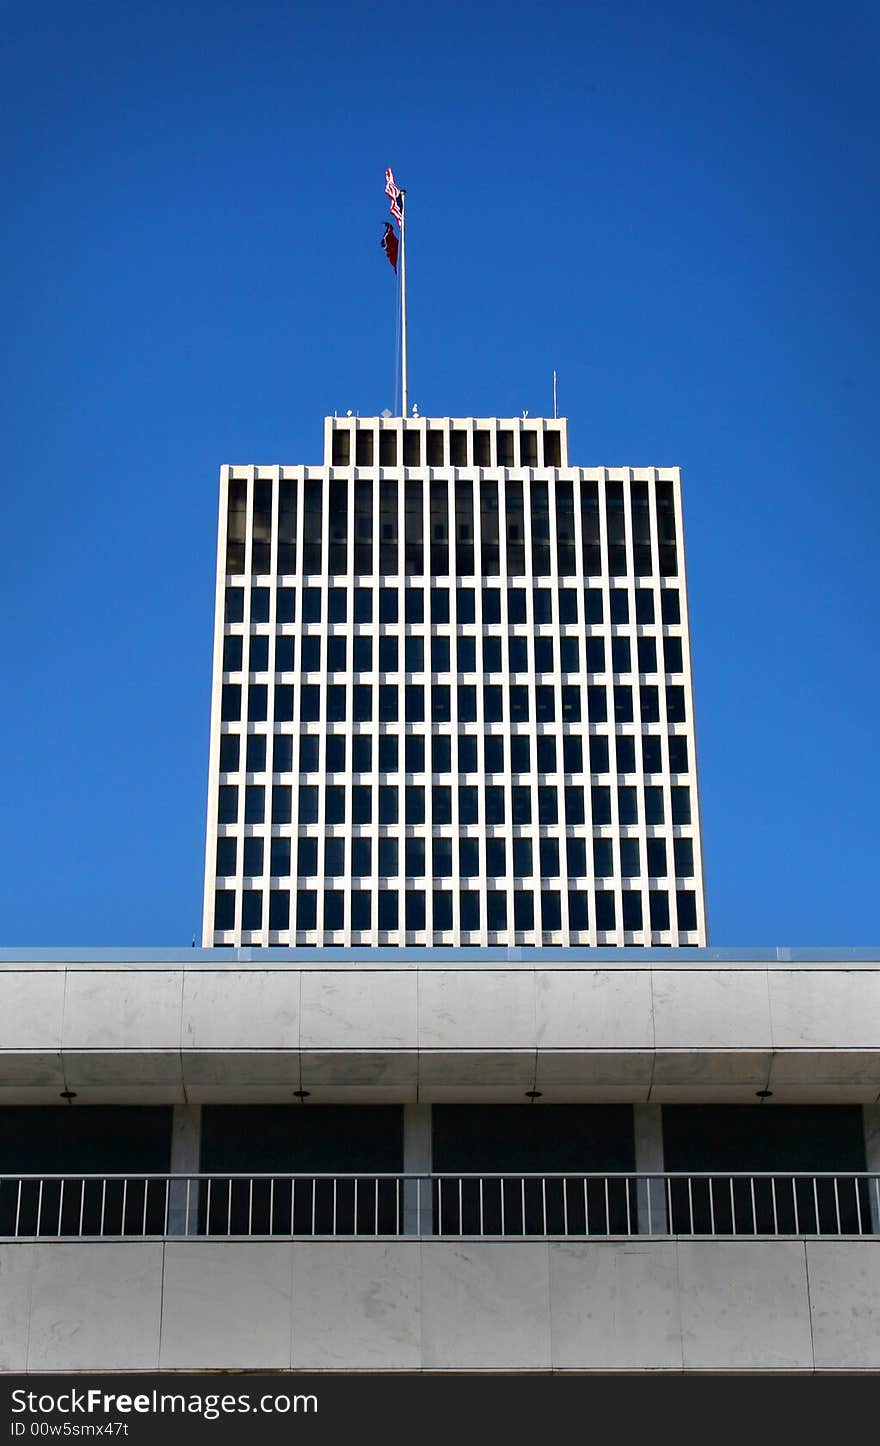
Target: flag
[393,190]
[390,245]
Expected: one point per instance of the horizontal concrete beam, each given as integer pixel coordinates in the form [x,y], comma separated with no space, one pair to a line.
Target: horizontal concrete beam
[670,1305]
[139,1031]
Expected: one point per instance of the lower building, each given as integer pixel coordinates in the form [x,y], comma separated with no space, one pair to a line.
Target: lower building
[440,1160]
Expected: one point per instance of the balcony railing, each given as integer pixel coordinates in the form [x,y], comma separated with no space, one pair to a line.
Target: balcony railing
[450,1206]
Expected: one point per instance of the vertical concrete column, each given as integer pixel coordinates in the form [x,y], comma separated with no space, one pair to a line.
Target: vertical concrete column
[183,1199]
[417,1160]
[650,1193]
[871,1120]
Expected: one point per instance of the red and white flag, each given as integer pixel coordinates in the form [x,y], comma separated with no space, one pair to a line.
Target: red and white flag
[390,244]
[393,190]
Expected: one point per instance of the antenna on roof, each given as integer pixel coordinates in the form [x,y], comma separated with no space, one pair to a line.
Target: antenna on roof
[555,412]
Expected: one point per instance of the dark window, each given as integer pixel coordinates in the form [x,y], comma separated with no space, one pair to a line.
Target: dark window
[312,534]
[548,857]
[388,527]
[516,604]
[565,548]
[387,909]
[439,503]
[306,910]
[494,804]
[521,804]
[361,753]
[516,547]
[649,704]
[387,655]
[544,655]
[675,705]
[528,449]
[255,803]
[279,862]
[569,655]
[491,605]
[235,526]
[387,804]
[434,439]
[547,805]
[388,858]
[415,804]
[652,761]
[605,913]
[603,858]
[234,610]
[414,605]
[519,704]
[489,529]
[520,754]
[336,702]
[307,858]
[308,753]
[311,605]
[363,605]
[414,703]
[338,525]
[281,803]
[504,444]
[226,860]
[545,704]
[578,914]
[308,805]
[552,449]
[597,705]
[334,804]
[441,803]
[441,754]
[284,658]
[542,604]
[466,697]
[496,910]
[593,604]
[279,909]
[546,754]
[230,703]
[574,805]
[517,655]
[310,655]
[439,604]
[387,447]
[469,909]
[571,705]
[595,655]
[672,659]
[567,600]
[657,858]
[229,752]
[641,529]
[458,447]
[601,804]
[439,654]
[522,858]
[670,610]
[576,857]
[627,805]
[666,529]
[388,605]
[467,805]
[465,605]
[626,753]
[467,753]
[644,605]
[361,909]
[523,910]
[415,909]
[468,858]
[361,703]
[363,538]
[464,528]
[232,652]
[687,910]
[415,753]
[623,705]
[653,805]
[619,605]
[341,453]
[466,659]
[251,909]
[334,758]
[496,858]
[441,857]
[647,655]
[336,648]
[442,910]
[361,805]
[493,754]
[572,754]
[683,851]
[334,858]
[629,858]
[632,910]
[658,904]
[621,661]
[598,753]
[363,447]
[440,702]
[616,527]
[551,909]
[388,753]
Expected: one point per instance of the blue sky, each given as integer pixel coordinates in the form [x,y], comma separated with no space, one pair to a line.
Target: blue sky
[674,204]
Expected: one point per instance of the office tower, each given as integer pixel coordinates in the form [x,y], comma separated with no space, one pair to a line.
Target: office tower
[452,697]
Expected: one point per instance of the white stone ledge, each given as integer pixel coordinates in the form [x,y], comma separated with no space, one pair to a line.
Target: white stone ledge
[437,1305]
[642,1032]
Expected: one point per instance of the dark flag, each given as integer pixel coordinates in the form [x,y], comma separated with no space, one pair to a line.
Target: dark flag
[390,245]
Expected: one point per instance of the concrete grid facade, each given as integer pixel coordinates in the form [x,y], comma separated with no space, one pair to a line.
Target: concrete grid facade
[452,698]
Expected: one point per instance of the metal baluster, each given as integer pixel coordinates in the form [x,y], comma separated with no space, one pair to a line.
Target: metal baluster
[523,1198]
[229,1208]
[251,1206]
[795,1201]
[208,1217]
[773,1200]
[376,1205]
[18,1208]
[103,1201]
[816,1204]
[440,1207]
[607,1209]
[272,1205]
[335,1182]
[544,1200]
[502,1205]
[39,1206]
[691,1201]
[82,1204]
[586,1208]
[732,1205]
[460,1209]
[144,1216]
[837,1206]
[858,1203]
[628,1214]
[124,1205]
[167,1210]
[649,1181]
[482,1228]
[565,1206]
[314,1196]
[754,1212]
[355,1220]
[711,1205]
[60,1206]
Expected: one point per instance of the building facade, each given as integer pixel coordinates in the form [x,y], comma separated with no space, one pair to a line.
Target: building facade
[452,698]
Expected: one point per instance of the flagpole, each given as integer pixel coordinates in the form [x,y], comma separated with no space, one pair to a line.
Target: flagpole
[403,302]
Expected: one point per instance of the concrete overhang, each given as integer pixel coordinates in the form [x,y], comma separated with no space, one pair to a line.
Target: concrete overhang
[440,1025]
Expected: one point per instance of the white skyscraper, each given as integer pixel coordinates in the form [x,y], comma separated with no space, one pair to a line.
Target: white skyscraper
[452,697]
